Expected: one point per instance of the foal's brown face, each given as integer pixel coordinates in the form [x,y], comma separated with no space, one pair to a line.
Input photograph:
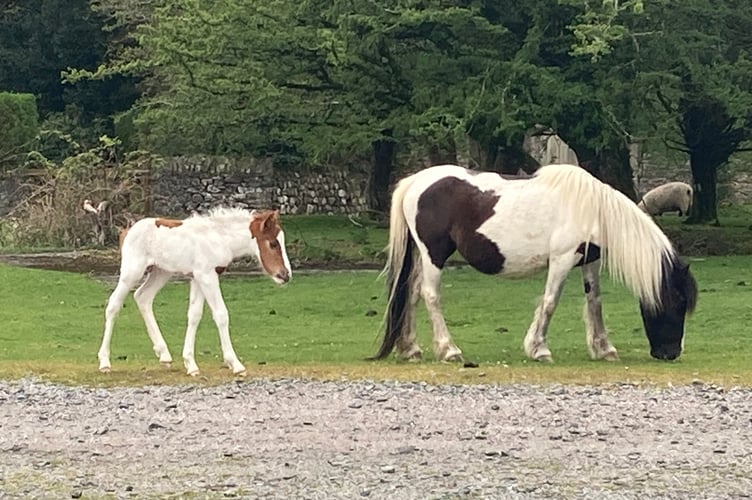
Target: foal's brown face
[265,229]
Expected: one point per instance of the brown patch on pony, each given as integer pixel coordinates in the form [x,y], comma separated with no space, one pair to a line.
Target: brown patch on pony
[449,215]
[264,229]
[168,223]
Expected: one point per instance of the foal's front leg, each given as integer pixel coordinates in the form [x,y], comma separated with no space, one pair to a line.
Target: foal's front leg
[209,283]
[535,341]
[597,335]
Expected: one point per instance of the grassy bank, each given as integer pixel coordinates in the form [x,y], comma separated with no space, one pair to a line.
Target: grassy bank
[324,324]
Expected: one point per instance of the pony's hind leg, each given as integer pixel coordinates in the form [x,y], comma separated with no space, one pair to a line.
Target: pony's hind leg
[407,344]
[597,335]
[535,341]
[209,283]
[195,311]
[144,298]
[443,346]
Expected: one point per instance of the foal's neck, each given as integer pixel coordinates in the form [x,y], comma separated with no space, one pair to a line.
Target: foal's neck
[237,235]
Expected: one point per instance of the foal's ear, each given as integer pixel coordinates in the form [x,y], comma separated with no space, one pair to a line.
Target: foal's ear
[271,220]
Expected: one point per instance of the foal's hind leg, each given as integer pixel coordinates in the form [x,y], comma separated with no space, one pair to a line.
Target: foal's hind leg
[195,311]
[125,284]
[443,346]
[144,298]
[597,335]
[535,340]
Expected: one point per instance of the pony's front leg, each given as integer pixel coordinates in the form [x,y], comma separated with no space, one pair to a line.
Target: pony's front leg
[209,283]
[597,335]
[195,311]
[535,341]
[443,346]
[144,298]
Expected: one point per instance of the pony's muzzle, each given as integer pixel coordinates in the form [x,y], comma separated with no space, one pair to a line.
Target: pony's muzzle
[666,354]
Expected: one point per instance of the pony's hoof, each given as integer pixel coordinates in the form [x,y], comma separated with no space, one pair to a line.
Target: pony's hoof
[454,358]
[416,355]
[611,356]
[240,373]
[193,373]
[104,369]
[544,358]
[166,364]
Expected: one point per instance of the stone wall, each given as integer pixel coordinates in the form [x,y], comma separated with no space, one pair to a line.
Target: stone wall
[192,184]
[188,184]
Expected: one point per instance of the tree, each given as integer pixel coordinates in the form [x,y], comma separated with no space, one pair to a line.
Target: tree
[701,79]
[41,38]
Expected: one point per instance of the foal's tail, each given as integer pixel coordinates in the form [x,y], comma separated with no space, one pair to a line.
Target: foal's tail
[637,253]
[401,270]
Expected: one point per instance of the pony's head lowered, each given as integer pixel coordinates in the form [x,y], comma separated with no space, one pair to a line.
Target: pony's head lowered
[270,238]
[664,322]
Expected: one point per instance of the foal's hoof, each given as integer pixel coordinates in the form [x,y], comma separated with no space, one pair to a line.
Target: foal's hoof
[194,373]
[545,358]
[104,369]
[241,373]
[166,364]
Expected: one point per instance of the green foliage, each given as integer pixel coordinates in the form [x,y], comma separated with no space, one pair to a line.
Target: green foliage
[41,38]
[52,213]
[18,127]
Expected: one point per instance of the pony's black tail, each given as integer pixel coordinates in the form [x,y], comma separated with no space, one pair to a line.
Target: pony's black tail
[399,270]
[399,298]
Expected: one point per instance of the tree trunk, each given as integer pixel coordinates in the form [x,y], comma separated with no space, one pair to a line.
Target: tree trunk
[614,169]
[704,198]
[381,174]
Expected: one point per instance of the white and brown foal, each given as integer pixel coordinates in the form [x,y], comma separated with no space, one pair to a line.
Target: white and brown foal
[200,247]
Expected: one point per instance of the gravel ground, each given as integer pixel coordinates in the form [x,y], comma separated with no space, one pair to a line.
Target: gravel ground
[305,439]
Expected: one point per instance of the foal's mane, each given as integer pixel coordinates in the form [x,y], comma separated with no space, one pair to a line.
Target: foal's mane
[222,212]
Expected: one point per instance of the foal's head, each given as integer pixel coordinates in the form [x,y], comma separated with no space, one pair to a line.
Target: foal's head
[270,237]
[665,325]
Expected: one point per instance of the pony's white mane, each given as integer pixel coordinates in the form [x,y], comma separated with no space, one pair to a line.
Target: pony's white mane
[624,230]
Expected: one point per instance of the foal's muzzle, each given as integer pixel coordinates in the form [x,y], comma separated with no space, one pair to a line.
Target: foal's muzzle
[282,277]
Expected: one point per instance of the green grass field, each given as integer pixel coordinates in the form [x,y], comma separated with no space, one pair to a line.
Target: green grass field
[323,325]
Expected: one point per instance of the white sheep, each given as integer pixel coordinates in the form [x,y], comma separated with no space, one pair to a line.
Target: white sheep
[669,197]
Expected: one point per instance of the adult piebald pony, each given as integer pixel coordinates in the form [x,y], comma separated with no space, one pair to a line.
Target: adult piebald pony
[560,218]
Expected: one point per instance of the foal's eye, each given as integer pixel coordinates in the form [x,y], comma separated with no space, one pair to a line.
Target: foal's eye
[273,244]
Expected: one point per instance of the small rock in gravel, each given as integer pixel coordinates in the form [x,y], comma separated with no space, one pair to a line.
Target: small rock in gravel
[388,469]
